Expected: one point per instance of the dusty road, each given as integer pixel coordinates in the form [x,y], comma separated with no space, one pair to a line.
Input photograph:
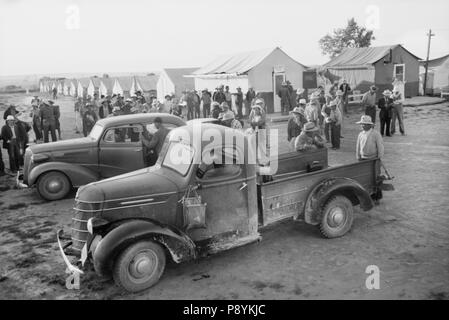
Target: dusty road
[406,236]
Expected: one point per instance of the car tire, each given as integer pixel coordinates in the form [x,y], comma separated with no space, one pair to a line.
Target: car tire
[337,215]
[139,266]
[53,185]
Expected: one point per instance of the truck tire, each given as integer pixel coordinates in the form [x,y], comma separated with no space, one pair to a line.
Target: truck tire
[337,215]
[53,185]
[139,266]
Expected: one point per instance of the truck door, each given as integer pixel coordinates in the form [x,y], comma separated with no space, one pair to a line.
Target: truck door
[120,150]
[225,188]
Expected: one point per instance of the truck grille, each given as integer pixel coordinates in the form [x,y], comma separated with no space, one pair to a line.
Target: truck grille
[83,212]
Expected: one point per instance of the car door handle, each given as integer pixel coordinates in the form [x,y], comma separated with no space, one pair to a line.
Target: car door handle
[243,186]
[138,149]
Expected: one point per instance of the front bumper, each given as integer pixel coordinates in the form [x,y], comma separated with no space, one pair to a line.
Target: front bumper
[72,268]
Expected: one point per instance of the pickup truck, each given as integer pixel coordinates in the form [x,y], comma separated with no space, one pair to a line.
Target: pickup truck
[113,147]
[129,225]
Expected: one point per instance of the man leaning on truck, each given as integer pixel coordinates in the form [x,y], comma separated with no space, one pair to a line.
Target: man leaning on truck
[369,142]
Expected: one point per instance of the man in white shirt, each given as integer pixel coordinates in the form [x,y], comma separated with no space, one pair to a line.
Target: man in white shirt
[369,142]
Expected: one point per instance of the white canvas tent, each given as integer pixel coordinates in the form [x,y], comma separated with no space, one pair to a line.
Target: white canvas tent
[264,70]
[173,81]
[437,76]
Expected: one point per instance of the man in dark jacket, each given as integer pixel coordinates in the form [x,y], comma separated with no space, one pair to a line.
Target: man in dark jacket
[346,89]
[239,102]
[153,145]
[219,96]
[12,135]
[385,105]
[89,119]
[48,121]
[284,94]
[206,98]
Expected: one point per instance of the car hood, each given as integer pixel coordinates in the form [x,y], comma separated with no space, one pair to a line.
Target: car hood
[63,145]
[131,188]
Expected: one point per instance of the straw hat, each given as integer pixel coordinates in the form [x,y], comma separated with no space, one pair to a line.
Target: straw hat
[258,102]
[365,120]
[300,91]
[310,127]
[302,101]
[24,117]
[387,92]
[228,116]
[10,118]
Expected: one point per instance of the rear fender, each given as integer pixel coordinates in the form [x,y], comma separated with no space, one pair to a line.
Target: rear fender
[322,192]
[78,175]
[180,246]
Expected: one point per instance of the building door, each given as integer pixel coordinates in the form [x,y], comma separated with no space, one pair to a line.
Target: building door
[278,78]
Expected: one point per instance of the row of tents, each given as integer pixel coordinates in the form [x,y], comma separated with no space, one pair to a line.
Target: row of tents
[265,70]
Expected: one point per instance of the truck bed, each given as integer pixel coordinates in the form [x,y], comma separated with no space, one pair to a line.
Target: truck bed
[286,195]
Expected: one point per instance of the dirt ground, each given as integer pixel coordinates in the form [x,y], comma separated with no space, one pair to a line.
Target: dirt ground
[406,236]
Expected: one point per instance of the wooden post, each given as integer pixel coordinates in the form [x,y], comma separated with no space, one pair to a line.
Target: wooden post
[430,35]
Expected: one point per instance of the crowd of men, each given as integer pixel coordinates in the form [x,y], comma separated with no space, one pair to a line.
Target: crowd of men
[315,120]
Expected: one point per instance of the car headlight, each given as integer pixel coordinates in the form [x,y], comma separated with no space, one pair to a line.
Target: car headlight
[39,157]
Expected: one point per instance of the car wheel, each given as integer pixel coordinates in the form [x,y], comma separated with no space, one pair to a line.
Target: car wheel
[53,185]
[337,216]
[139,266]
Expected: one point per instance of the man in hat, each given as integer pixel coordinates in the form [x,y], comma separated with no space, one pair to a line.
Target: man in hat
[11,111]
[183,110]
[219,96]
[2,164]
[79,109]
[299,95]
[398,112]
[206,99]
[369,102]
[309,139]
[140,96]
[239,102]
[369,142]
[346,89]
[126,109]
[229,121]
[154,144]
[295,125]
[385,105]
[196,101]
[225,110]
[313,109]
[335,119]
[89,119]
[57,114]
[12,135]
[215,110]
[284,95]
[116,111]
[326,113]
[48,120]
[228,96]
[249,98]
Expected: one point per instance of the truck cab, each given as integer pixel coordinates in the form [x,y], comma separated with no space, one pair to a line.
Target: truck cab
[207,193]
[113,147]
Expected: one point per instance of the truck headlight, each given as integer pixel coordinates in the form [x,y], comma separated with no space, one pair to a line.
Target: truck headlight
[94,223]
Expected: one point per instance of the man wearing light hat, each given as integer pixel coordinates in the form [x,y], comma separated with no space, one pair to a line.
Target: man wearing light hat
[309,139]
[12,135]
[229,121]
[385,105]
[369,142]
[295,125]
[369,102]
[313,108]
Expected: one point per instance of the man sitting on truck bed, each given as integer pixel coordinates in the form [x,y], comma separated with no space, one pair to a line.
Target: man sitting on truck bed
[309,139]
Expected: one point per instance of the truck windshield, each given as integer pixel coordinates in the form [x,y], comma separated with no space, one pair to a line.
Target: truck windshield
[96,131]
[179,157]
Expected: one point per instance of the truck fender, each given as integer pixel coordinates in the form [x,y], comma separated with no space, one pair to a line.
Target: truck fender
[179,245]
[321,193]
[78,175]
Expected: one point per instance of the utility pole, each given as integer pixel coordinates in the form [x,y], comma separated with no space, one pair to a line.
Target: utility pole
[430,35]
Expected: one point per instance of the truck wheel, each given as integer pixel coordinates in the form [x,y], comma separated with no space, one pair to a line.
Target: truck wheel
[53,185]
[139,266]
[336,217]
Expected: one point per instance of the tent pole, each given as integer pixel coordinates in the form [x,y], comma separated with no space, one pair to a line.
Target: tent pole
[430,35]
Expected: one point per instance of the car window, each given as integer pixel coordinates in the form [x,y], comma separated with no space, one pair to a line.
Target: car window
[179,157]
[226,164]
[124,134]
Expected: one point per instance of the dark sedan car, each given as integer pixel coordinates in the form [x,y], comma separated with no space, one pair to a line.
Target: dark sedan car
[113,147]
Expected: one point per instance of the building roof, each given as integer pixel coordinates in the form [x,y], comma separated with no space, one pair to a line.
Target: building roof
[125,82]
[108,82]
[239,63]
[361,57]
[96,81]
[435,63]
[84,82]
[176,75]
[147,83]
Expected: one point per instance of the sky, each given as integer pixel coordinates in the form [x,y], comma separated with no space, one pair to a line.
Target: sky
[73,36]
